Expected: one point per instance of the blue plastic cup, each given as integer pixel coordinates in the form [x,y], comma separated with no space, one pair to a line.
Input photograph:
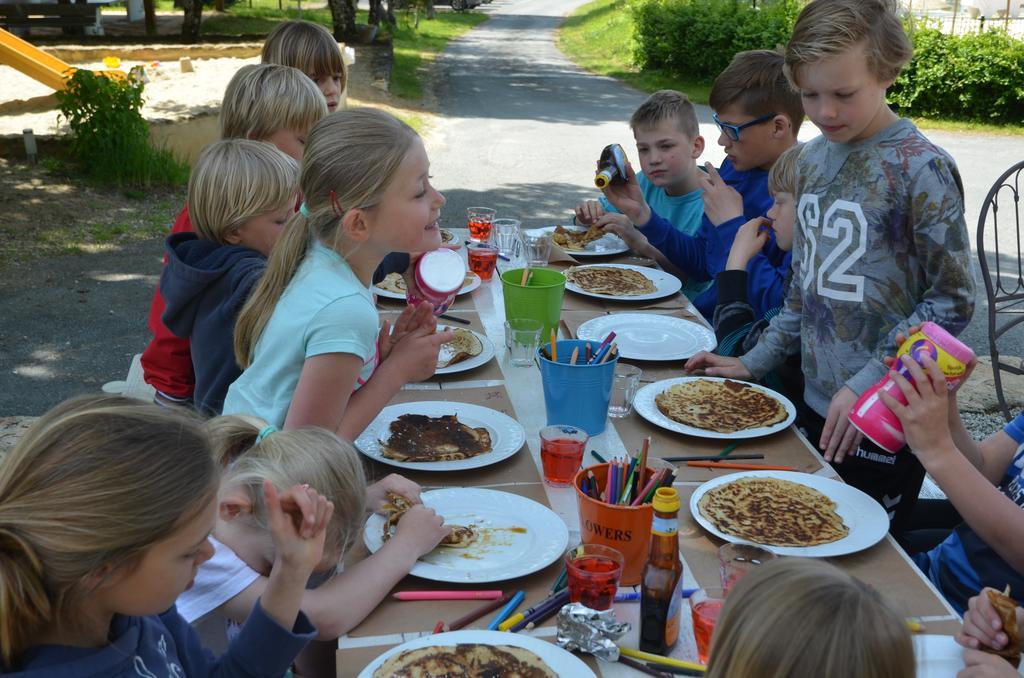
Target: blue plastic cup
[576,394]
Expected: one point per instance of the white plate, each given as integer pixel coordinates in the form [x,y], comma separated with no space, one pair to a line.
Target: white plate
[469,363]
[562,662]
[518,536]
[645,406]
[507,434]
[867,520]
[665,284]
[604,246]
[650,336]
[474,282]
[937,656]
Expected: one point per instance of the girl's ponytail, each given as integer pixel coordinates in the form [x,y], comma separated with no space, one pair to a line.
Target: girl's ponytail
[24,606]
[232,436]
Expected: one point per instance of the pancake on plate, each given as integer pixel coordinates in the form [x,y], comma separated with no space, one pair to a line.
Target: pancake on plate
[394,282]
[615,282]
[447,236]
[459,536]
[773,512]
[465,660]
[417,437]
[721,406]
[574,240]
[463,346]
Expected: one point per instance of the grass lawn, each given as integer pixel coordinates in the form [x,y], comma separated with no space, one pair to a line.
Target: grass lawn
[599,37]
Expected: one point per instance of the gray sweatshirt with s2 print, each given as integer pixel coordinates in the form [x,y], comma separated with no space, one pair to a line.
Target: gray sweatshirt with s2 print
[880,245]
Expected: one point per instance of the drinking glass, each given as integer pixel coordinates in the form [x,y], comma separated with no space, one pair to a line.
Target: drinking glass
[624,386]
[482,259]
[593,572]
[705,606]
[505,233]
[737,560]
[478,220]
[538,248]
[561,453]
[522,336]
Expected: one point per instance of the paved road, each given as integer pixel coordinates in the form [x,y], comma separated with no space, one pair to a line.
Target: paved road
[519,131]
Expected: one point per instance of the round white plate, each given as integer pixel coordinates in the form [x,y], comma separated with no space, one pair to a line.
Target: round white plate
[937,656]
[561,662]
[517,536]
[666,284]
[469,363]
[650,336]
[474,282]
[645,406]
[867,520]
[604,246]
[507,434]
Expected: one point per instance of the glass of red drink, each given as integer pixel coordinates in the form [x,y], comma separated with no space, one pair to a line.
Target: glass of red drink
[737,560]
[705,605]
[561,453]
[593,573]
[479,220]
[482,260]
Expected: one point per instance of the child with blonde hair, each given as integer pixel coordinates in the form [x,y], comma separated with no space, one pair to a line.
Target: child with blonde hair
[228,585]
[805,617]
[263,102]
[105,508]
[240,195]
[312,49]
[308,337]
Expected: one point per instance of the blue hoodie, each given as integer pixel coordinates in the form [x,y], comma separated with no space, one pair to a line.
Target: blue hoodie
[165,646]
[205,284]
[703,255]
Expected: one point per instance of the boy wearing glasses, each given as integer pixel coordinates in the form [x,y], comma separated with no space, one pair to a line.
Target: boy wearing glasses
[758,116]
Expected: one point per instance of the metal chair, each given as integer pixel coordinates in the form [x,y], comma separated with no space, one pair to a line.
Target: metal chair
[1004,280]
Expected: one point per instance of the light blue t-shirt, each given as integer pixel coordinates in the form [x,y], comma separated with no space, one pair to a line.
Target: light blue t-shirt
[324,309]
[682,211]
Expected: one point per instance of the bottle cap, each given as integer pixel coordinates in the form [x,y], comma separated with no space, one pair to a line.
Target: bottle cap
[666,500]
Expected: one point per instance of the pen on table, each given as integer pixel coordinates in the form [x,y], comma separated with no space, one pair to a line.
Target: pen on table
[520,616]
[728,449]
[743,467]
[658,659]
[543,612]
[517,599]
[598,457]
[634,596]
[454,319]
[714,457]
[468,619]
[674,670]
[637,666]
[447,595]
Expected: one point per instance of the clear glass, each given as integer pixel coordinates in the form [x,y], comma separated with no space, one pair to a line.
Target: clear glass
[505,236]
[478,221]
[737,560]
[537,247]
[522,336]
[624,387]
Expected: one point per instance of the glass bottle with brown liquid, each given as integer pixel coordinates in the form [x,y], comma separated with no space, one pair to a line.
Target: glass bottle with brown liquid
[660,596]
[611,167]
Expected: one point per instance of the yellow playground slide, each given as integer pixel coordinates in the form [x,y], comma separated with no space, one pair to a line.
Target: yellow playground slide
[32,61]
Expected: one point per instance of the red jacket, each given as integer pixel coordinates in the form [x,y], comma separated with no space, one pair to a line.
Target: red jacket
[167,361]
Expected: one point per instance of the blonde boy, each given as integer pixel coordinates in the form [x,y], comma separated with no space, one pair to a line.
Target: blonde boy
[241,194]
[881,243]
[276,104]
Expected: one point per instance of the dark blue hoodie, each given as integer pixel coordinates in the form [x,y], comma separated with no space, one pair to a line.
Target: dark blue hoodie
[205,284]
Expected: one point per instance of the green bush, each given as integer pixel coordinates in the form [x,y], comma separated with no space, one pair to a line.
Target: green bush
[979,76]
[698,38]
[109,136]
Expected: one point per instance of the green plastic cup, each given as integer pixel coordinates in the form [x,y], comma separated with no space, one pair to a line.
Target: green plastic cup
[540,300]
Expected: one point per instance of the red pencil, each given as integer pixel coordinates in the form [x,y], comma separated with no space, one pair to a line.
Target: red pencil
[479,612]
[743,467]
[439,627]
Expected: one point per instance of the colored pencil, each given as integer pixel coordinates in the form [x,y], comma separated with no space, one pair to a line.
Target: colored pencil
[630,478]
[658,659]
[608,354]
[543,612]
[447,595]
[674,670]
[479,612]
[598,457]
[634,596]
[714,457]
[613,495]
[438,627]
[526,277]
[741,467]
[454,319]
[637,666]
[589,353]
[647,489]
[517,599]
[560,581]
[520,616]
[554,346]
[604,344]
[593,484]
[575,355]
[644,449]
[728,449]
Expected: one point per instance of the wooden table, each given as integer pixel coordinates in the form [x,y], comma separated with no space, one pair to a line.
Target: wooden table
[884,566]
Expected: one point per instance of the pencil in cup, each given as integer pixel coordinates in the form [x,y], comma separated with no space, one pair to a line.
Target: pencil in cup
[575,394]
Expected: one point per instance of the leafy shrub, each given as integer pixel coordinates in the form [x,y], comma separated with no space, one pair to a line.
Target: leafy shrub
[109,136]
[978,76]
[698,38]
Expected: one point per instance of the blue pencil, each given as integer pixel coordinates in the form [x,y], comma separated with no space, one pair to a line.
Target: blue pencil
[634,596]
[507,611]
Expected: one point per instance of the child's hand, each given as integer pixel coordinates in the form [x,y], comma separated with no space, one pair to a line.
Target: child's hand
[589,211]
[420,530]
[750,238]
[984,665]
[722,202]
[628,198]
[839,437]
[982,624]
[715,365]
[377,494]
[620,225]
[298,520]
[414,356]
[413,317]
[924,419]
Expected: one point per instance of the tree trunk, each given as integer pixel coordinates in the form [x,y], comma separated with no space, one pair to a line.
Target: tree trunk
[430,9]
[218,5]
[150,10]
[193,17]
[376,12]
[390,17]
[343,16]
